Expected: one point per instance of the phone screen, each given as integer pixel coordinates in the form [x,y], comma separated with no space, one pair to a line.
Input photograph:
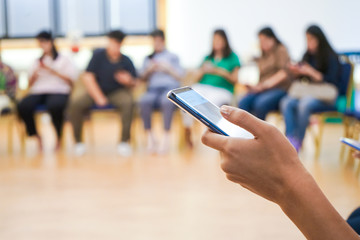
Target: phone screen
[211,113]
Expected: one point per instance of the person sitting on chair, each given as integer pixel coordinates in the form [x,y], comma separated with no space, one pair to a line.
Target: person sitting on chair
[162,72]
[51,81]
[274,80]
[109,79]
[216,77]
[8,82]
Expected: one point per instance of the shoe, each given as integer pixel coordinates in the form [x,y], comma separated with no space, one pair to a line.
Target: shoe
[124,149]
[296,143]
[151,144]
[79,149]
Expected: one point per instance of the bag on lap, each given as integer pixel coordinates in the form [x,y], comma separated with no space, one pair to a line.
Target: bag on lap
[325,92]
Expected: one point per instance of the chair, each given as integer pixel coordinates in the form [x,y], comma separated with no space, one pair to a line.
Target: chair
[342,103]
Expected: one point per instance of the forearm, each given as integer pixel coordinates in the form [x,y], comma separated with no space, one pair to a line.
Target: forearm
[32,79]
[309,209]
[230,76]
[66,79]
[316,75]
[92,86]
[275,79]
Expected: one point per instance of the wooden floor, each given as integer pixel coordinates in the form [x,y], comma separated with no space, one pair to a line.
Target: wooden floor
[183,195]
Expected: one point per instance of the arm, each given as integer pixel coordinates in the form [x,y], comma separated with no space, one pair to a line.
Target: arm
[271,82]
[66,79]
[230,76]
[269,158]
[93,89]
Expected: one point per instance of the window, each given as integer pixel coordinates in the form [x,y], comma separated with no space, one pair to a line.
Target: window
[25,18]
[134,17]
[85,16]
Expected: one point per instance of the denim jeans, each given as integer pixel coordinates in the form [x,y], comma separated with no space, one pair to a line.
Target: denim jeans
[260,104]
[297,113]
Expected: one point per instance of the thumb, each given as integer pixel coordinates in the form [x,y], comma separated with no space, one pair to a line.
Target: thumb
[243,119]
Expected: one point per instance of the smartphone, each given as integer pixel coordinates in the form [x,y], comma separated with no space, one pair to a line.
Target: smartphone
[351,142]
[206,112]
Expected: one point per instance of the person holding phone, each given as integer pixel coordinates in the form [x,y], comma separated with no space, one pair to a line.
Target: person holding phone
[319,65]
[162,72]
[216,77]
[274,81]
[50,84]
[108,79]
[268,165]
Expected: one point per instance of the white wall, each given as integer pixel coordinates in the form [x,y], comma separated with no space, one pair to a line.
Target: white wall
[190,24]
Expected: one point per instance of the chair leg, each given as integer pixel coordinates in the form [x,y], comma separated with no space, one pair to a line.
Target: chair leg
[346,134]
[318,138]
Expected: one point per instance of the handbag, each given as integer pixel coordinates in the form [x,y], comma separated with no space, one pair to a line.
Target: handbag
[325,92]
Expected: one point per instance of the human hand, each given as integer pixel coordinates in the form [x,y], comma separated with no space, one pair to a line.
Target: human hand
[356,154]
[255,89]
[208,67]
[101,101]
[124,78]
[266,165]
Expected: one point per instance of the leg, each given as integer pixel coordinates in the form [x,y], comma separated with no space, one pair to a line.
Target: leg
[246,103]
[26,110]
[56,104]
[123,101]
[307,106]
[147,103]
[267,101]
[354,220]
[288,107]
[76,111]
[167,108]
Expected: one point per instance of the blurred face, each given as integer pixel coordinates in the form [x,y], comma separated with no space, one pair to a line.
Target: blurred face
[158,43]
[218,43]
[266,43]
[113,47]
[45,45]
[312,43]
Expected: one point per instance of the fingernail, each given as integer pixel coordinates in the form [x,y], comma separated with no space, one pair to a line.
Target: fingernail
[225,110]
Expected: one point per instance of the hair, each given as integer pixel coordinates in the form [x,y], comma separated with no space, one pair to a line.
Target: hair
[269,32]
[158,33]
[118,35]
[324,48]
[227,50]
[47,36]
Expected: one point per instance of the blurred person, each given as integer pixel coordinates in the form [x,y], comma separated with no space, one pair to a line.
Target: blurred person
[319,65]
[162,72]
[108,79]
[50,83]
[216,77]
[8,83]
[269,166]
[354,218]
[274,81]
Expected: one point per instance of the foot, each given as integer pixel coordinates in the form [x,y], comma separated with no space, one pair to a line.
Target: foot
[188,139]
[124,149]
[57,145]
[79,149]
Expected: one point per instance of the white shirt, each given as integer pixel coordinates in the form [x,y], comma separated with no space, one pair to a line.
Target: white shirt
[47,82]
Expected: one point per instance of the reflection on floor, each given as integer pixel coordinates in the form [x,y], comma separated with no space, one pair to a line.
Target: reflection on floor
[183,195]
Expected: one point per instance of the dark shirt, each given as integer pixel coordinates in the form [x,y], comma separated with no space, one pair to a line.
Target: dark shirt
[332,73]
[104,70]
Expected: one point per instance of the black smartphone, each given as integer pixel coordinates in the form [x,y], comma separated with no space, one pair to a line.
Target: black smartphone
[206,112]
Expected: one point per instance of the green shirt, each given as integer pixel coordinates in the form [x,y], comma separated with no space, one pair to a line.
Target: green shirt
[229,63]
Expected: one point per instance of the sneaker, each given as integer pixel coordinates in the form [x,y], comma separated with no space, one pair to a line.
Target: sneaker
[296,143]
[165,145]
[79,149]
[124,149]
[151,144]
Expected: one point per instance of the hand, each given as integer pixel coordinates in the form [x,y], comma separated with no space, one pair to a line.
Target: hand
[208,67]
[356,154]
[163,67]
[124,78]
[101,101]
[266,165]
[255,89]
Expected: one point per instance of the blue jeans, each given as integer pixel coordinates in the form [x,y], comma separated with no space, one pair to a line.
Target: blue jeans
[260,104]
[297,113]
[354,220]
